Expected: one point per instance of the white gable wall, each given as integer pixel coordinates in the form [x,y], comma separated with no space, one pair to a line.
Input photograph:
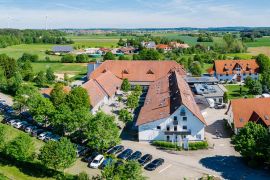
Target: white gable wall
[149,131]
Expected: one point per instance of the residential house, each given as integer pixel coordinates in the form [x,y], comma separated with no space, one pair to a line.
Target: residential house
[128,50]
[149,45]
[62,49]
[170,112]
[176,45]
[234,70]
[242,111]
[164,47]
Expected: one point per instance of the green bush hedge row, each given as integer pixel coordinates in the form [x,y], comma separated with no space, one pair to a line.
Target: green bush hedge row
[170,145]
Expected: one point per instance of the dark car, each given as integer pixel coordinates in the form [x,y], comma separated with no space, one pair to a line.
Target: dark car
[106,162]
[90,157]
[145,159]
[115,149]
[6,120]
[125,154]
[135,156]
[154,164]
[24,125]
[37,132]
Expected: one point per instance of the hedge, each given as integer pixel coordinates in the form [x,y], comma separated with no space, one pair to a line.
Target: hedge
[198,145]
[191,145]
[166,145]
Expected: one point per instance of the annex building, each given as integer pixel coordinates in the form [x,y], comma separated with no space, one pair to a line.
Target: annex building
[242,111]
[234,70]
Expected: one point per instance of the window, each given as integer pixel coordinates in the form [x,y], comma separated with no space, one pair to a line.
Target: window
[175,118]
[158,127]
[168,128]
[175,128]
[184,118]
[183,112]
[198,136]
[168,138]
[185,127]
[227,74]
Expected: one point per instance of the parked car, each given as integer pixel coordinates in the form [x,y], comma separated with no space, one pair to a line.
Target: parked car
[154,164]
[43,135]
[220,106]
[118,163]
[125,154]
[37,132]
[81,150]
[135,156]
[19,124]
[97,161]
[106,163]
[24,125]
[145,159]
[48,137]
[29,129]
[115,149]
[12,122]
[90,157]
[6,120]
[55,138]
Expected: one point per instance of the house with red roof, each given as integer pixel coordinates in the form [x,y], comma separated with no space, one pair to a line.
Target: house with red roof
[242,111]
[234,70]
[164,47]
[170,112]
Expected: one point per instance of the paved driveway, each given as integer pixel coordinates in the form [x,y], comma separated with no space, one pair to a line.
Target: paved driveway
[221,161]
[7,98]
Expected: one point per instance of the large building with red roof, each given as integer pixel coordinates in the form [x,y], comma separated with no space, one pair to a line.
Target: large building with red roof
[242,111]
[170,112]
[234,70]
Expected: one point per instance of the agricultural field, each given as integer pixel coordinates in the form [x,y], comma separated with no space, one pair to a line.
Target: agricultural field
[254,51]
[259,42]
[16,51]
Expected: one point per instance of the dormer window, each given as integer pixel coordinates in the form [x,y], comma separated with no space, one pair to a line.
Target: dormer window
[150,71]
[125,71]
[104,71]
[183,112]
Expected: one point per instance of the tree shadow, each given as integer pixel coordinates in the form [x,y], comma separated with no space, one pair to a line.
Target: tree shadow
[234,168]
[33,169]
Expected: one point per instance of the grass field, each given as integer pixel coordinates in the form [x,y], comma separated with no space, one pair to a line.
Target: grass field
[72,68]
[241,55]
[265,41]
[16,51]
[234,92]
[254,51]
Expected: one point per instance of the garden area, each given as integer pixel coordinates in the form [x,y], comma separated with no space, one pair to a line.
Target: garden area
[237,91]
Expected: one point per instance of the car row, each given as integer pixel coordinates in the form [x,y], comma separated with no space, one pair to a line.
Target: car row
[96,160]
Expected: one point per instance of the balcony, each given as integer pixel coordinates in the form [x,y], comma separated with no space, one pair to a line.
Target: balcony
[181,132]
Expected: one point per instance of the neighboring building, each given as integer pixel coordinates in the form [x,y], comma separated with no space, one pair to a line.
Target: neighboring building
[149,45]
[170,112]
[137,72]
[176,45]
[201,80]
[46,92]
[242,111]
[62,49]
[213,92]
[128,50]
[234,70]
[164,47]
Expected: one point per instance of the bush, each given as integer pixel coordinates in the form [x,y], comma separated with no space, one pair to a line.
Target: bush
[166,145]
[68,58]
[198,145]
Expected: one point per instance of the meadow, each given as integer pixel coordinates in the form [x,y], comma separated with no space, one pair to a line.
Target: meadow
[259,42]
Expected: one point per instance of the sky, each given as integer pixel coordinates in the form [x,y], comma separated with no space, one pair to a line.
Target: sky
[25,14]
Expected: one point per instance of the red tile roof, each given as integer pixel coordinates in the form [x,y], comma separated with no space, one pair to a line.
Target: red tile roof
[104,85]
[165,96]
[137,71]
[162,46]
[245,109]
[228,66]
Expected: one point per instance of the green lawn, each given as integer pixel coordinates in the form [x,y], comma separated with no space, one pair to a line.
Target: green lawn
[72,68]
[241,55]
[234,92]
[16,51]
[264,41]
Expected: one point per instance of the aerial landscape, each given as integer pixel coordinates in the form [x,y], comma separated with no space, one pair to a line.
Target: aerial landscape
[134,90]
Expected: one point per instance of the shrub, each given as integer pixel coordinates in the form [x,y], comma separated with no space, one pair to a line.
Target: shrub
[198,145]
[166,145]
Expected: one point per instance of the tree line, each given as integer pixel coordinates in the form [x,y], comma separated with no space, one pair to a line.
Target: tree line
[9,37]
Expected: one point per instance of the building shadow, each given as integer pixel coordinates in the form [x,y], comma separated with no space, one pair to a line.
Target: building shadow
[220,126]
[233,168]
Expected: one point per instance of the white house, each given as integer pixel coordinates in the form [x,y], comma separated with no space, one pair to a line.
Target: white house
[170,112]
[235,70]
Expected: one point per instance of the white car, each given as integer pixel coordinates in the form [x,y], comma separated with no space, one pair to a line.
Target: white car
[42,136]
[11,122]
[18,124]
[29,129]
[97,161]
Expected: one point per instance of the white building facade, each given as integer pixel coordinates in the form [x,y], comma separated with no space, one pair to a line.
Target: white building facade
[181,124]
